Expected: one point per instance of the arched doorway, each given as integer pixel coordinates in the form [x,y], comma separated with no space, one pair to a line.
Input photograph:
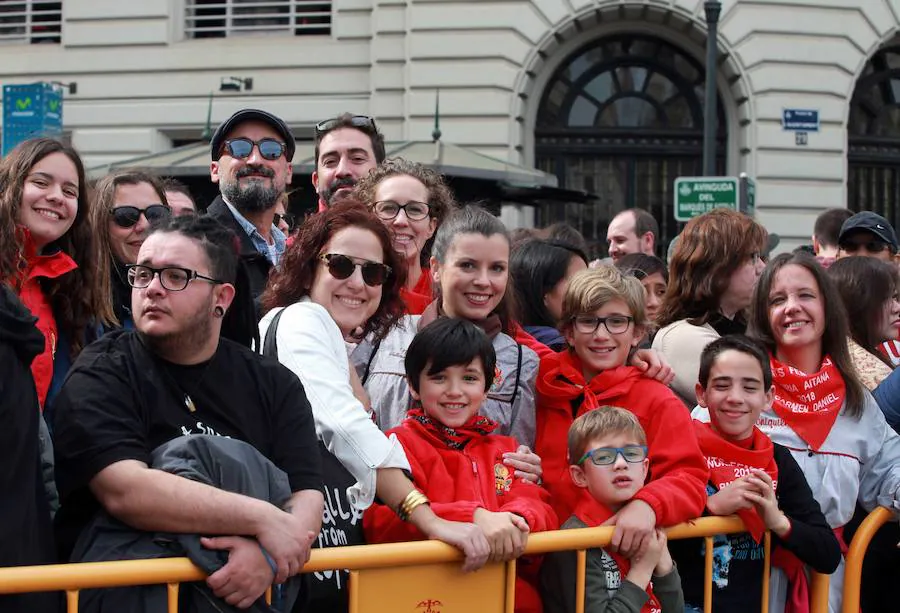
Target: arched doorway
[622,118]
[873,132]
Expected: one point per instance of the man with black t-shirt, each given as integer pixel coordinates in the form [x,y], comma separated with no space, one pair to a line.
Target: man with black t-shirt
[173,376]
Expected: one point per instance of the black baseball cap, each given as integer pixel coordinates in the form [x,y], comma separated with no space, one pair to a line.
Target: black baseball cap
[871,222]
[218,139]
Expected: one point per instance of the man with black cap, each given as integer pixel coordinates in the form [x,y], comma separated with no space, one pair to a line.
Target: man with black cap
[868,234]
[251,161]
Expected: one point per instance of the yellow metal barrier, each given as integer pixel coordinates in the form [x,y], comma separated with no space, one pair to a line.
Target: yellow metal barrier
[430,572]
[857,552]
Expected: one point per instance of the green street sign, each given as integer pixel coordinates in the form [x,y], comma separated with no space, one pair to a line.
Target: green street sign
[698,195]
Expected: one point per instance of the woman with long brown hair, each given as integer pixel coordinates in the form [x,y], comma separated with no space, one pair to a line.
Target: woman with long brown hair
[47,252]
[712,275]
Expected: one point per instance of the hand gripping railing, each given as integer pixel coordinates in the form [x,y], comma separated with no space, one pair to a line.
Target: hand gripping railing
[857,552]
[171,572]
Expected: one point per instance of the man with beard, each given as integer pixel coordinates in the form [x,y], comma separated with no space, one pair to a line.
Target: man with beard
[173,380]
[251,161]
[347,148]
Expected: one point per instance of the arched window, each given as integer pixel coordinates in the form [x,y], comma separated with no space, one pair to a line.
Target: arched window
[622,118]
[873,131]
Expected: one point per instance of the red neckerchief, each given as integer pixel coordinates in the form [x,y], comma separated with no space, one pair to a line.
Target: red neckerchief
[491,325]
[454,438]
[809,404]
[565,380]
[594,514]
[728,462]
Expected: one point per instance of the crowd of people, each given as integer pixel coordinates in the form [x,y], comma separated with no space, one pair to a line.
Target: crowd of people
[224,385]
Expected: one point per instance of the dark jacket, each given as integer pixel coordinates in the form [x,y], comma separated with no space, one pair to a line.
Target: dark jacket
[258,265]
[26,535]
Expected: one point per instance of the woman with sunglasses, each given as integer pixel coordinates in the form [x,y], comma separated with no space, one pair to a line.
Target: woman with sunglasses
[412,201]
[47,251]
[126,204]
[341,277]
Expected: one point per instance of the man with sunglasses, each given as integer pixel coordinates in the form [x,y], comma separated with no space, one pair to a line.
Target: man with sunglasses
[868,234]
[251,162]
[347,148]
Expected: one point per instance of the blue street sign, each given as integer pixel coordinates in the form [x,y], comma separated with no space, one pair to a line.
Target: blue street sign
[800,120]
[30,110]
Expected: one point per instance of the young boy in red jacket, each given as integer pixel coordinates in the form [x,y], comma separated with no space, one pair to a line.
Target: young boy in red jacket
[611,467]
[456,461]
[603,320]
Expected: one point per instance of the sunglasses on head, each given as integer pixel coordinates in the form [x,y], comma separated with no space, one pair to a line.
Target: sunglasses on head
[870,246]
[356,121]
[341,267]
[241,148]
[127,216]
[286,218]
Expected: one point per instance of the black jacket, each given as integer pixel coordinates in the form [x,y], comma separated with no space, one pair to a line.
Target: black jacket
[26,535]
[258,265]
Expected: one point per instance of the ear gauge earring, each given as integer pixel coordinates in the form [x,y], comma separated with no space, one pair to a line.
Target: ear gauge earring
[219,312]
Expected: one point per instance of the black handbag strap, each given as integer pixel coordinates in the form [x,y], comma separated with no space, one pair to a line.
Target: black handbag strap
[270,345]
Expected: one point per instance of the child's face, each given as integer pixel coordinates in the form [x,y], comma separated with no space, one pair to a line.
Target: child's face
[612,484]
[734,394]
[597,347]
[453,395]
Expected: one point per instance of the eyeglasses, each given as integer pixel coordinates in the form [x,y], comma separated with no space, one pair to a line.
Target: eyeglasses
[341,267]
[388,209]
[604,456]
[128,216]
[269,148]
[870,246]
[615,324]
[172,278]
[286,218]
[356,121]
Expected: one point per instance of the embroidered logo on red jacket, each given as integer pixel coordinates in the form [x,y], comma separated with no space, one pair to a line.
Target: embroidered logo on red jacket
[502,479]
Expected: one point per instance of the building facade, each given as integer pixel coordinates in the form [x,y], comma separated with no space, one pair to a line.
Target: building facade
[605,94]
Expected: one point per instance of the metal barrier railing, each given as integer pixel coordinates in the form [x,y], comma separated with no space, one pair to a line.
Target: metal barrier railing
[856,553]
[72,578]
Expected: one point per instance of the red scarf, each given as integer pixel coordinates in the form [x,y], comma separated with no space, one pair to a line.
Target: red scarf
[594,514]
[809,404]
[565,380]
[728,461]
[454,438]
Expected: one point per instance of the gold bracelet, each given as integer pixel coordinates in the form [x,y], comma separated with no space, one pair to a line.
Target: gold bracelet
[412,501]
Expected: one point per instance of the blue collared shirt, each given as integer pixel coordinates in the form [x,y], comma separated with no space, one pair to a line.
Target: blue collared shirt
[273,251]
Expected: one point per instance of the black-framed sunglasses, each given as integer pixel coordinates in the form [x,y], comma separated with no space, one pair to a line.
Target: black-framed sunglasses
[870,246]
[342,266]
[357,121]
[241,148]
[588,324]
[127,216]
[388,209]
[604,456]
[286,218]
[172,278]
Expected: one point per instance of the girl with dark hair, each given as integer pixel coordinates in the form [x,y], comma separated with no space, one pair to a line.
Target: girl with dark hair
[651,272]
[541,270]
[821,412]
[339,281]
[47,252]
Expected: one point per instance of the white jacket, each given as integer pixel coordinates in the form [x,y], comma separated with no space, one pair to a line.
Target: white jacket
[311,345]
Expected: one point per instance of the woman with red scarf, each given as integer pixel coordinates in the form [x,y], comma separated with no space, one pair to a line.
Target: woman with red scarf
[820,411]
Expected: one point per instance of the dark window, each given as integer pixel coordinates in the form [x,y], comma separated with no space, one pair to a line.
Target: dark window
[221,18]
[31,21]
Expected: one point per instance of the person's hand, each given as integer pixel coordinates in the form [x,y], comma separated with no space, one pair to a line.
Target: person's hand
[507,533]
[634,524]
[527,464]
[731,498]
[763,498]
[665,564]
[645,561]
[468,538]
[245,577]
[653,365]
[288,542]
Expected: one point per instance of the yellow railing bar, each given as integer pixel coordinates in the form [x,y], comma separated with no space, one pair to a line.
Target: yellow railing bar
[172,590]
[707,573]
[857,552]
[580,579]
[767,568]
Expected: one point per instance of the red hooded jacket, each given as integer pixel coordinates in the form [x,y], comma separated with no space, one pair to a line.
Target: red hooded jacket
[457,483]
[676,488]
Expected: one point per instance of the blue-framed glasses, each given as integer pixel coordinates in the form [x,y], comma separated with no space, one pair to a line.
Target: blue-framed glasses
[604,456]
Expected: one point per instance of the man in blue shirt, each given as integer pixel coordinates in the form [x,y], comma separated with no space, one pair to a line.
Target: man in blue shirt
[251,162]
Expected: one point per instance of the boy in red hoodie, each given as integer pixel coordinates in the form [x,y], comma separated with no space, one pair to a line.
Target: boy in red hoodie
[456,461]
[603,320]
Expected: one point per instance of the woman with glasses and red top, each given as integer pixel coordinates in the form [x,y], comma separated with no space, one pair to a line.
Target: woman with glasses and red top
[340,280]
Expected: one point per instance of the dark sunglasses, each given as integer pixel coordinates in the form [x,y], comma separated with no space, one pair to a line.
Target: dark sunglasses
[871,246]
[127,216]
[286,217]
[357,121]
[341,267]
[269,148]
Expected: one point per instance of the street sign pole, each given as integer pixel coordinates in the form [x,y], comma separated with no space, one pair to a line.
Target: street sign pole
[710,112]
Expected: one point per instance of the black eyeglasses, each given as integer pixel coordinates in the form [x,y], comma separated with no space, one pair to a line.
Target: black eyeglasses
[269,148]
[356,121]
[172,278]
[604,456]
[341,267]
[588,324]
[127,216]
[388,209]
[870,246]
[286,218]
